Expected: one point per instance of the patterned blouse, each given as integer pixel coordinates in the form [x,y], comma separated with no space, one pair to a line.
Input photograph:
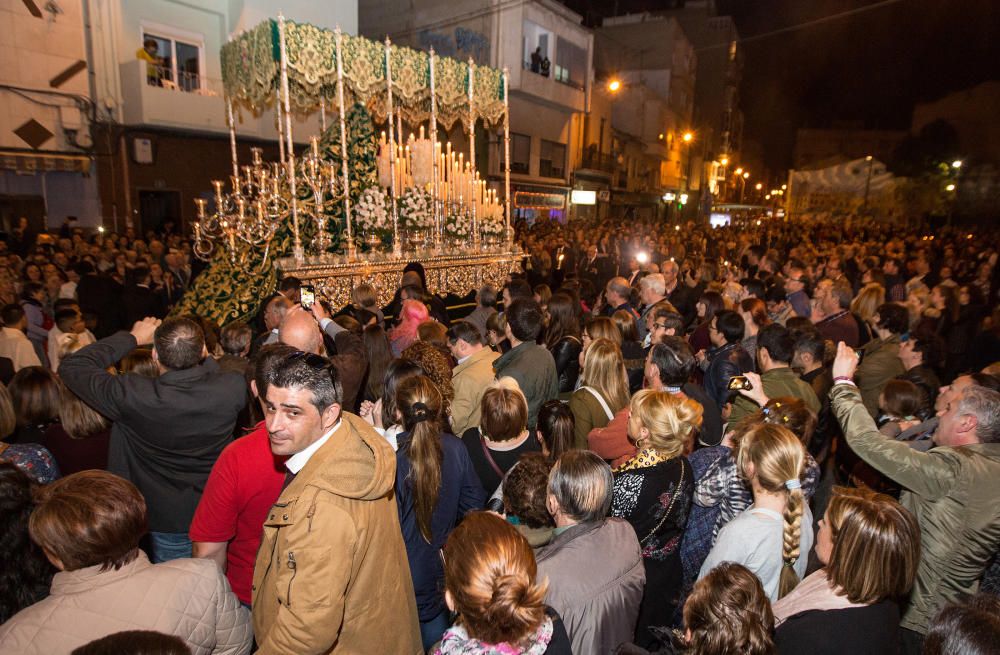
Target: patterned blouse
[654,495]
[33,459]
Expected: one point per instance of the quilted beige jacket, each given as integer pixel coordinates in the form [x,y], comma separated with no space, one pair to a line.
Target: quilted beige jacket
[189,598]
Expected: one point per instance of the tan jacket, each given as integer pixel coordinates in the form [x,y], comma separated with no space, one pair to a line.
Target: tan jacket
[331,573]
[470,379]
[189,598]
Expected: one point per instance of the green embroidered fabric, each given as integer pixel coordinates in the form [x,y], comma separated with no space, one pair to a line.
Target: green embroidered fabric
[251,75]
[226,291]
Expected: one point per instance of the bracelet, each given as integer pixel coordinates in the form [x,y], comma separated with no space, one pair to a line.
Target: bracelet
[843,378]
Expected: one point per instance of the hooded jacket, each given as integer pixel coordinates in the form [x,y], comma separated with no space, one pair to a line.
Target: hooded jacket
[331,573]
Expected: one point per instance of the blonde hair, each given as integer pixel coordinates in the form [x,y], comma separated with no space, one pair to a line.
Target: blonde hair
[866,304]
[603,327]
[876,546]
[364,296]
[779,460]
[670,419]
[604,370]
[8,418]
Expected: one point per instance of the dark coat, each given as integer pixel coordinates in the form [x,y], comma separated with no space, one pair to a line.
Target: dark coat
[167,431]
[566,353]
[869,630]
[725,362]
[101,296]
[460,492]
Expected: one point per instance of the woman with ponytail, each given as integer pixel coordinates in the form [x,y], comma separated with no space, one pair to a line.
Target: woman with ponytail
[490,582]
[653,493]
[436,486]
[773,536]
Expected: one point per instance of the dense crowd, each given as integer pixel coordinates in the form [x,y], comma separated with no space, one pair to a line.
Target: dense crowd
[777,437]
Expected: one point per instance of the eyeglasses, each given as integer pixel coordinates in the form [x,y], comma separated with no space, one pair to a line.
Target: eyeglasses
[660,326]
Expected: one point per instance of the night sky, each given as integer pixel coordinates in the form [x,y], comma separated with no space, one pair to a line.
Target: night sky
[872,66]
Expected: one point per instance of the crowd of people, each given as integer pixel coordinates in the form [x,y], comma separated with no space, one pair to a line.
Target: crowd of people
[776,437]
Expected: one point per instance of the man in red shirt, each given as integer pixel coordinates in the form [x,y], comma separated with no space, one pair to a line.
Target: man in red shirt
[245,482]
[227,526]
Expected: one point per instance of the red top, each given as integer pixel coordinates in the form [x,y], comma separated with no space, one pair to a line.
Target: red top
[245,482]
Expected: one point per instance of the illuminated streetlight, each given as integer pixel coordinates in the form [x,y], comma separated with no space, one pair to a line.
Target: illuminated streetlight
[687,137]
[784,187]
[759,186]
[767,197]
[957,163]
[614,85]
[746,175]
[739,171]
[950,187]
[724,161]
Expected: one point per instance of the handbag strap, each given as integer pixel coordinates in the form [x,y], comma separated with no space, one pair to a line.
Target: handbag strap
[673,499]
[600,399]
[489,457]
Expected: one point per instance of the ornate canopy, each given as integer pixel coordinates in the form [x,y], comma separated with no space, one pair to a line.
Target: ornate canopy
[251,75]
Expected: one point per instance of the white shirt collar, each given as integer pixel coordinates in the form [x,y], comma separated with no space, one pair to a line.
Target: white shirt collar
[462,359]
[297,462]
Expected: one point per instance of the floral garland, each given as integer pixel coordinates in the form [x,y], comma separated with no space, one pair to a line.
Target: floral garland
[457,226]
[415,209]
[370,213]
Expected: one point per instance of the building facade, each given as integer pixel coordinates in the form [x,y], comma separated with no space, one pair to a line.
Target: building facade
[161,125]
[47,170]
[549,56]
[652,63]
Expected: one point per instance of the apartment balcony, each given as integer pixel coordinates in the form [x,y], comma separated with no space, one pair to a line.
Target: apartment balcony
[561,94]
[189,102]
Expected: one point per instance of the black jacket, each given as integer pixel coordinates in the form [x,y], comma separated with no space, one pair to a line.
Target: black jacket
[869,630]
[566,352]
[101,296]
[166,432]
[724,363]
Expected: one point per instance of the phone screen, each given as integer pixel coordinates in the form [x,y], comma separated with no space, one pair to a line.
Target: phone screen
[307,295]
[738,382]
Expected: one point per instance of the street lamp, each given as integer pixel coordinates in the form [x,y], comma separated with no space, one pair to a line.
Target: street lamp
[614,85]
[739,171]
[957,163]
[688,136]
[724,161]
[950,187]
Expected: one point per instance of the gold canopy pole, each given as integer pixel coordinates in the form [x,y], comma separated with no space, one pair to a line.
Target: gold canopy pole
[281,127]
[352,251]
[397,247]
[506,157]
[232,137]
[472,154]
[435,192]
[297,250]
[322,115]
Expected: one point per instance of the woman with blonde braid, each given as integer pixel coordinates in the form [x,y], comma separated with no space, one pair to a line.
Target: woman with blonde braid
[436,486]
[653,492]
[773,536]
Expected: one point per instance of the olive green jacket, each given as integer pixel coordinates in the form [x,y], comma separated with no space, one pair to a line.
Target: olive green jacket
[778,383]
[880,364]
[953,493]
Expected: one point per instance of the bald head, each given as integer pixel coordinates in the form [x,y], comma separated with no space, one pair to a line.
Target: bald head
[300,330]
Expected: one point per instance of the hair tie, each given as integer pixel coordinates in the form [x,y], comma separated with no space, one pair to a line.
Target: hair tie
[420,413]
[793,484]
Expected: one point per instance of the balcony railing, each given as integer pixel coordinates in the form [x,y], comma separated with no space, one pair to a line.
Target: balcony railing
[185,81]
[599,162]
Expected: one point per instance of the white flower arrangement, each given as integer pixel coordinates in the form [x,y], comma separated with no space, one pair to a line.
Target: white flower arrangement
[415,209]
[370,213]
[457,226]
[492,225]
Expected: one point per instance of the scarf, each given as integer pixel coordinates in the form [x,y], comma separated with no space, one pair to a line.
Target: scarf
[456,641]
[816,592]
[643,459]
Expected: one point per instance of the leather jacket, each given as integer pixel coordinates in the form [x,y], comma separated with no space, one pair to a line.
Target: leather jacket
[566,352]
[724,363]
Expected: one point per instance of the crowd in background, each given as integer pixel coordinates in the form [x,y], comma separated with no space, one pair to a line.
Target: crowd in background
[771,437]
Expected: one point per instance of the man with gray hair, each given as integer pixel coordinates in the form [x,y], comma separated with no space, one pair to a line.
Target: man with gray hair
[652,289]
[952,489]
[486,301]
[599,609]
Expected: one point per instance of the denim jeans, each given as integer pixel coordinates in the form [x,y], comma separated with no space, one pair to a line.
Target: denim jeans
[432,631]
[166,546]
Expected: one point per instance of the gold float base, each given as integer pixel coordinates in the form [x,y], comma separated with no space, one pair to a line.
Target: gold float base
[334,276]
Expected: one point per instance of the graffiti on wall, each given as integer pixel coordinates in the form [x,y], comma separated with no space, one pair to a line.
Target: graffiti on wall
[461,44]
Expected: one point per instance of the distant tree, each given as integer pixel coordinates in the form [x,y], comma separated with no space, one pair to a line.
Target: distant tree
[921,155]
